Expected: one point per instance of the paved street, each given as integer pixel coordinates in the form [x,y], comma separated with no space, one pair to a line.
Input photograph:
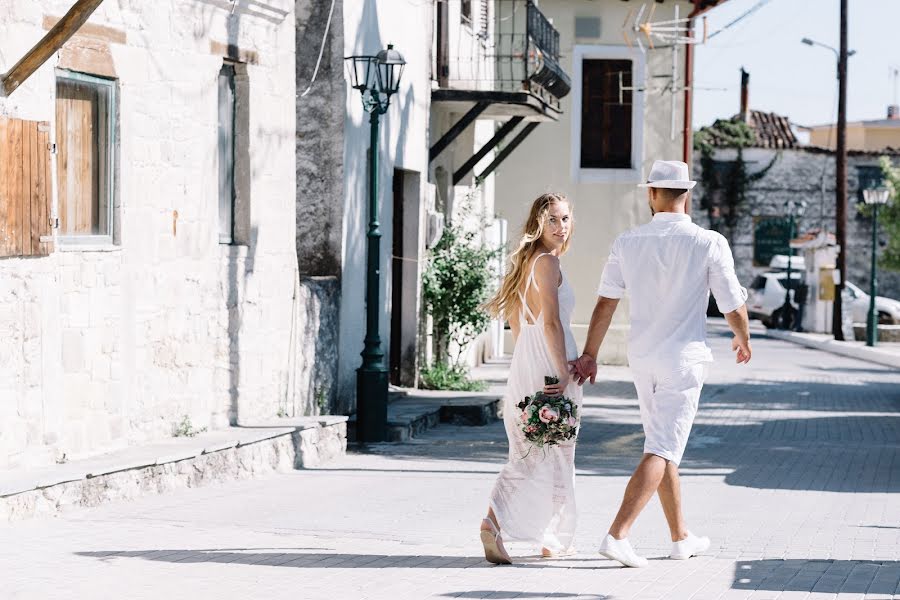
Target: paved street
[793,471]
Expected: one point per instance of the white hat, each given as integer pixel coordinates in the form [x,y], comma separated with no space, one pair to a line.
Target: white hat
[672,174]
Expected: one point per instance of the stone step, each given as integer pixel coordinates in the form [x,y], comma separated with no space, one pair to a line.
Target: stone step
[222,455]
[412,413]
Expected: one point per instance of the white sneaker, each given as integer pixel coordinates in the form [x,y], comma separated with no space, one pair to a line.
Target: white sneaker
[621,550]
[688,547]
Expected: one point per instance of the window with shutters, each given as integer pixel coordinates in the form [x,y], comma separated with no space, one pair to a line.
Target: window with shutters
[85,145]
[24,188]
[605,114]
[607,128]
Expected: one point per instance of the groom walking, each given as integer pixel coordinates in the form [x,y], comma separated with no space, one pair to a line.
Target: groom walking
[668,268]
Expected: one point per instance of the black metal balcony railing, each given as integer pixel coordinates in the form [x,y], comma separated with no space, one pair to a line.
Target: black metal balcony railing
[499,45]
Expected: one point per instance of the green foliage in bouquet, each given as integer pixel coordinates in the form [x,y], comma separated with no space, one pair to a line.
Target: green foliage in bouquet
[548,420]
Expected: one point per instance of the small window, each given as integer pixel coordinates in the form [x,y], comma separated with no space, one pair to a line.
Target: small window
[606,114]
[759,283]
[466,10]
[226,154]
[85,138]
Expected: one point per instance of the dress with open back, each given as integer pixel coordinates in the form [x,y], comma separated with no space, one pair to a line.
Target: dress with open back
[534,495]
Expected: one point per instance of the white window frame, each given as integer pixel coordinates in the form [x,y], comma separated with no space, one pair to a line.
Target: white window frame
[607,52]
[87,241]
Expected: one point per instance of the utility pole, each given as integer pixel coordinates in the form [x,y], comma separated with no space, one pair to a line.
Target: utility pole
[840,157]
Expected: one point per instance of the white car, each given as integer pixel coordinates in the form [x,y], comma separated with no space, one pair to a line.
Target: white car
[888,310]
[765,297]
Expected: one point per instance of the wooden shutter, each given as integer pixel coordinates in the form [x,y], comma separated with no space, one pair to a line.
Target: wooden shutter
[24,187]
[605,122]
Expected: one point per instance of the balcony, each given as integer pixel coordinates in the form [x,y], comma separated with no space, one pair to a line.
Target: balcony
[503,52]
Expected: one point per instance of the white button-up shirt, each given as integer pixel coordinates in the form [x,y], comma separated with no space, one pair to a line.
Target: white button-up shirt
[668,267]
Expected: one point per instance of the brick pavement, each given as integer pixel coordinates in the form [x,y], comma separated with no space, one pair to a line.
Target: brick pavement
[793,470]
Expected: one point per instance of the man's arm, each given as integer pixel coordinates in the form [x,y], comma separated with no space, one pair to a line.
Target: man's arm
[585,367]
[740,327]
[730,296]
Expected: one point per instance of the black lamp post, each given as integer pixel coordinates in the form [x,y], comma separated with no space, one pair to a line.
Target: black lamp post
[377,78]
[874,198]
[787,310]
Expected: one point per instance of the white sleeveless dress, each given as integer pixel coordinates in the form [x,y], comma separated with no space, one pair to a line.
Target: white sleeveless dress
[534,496]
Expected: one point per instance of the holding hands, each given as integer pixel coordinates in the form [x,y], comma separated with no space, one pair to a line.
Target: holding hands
[583,368]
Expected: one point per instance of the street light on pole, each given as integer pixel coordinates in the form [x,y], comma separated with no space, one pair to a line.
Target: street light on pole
[794,208]
[377,78]
[837,54]
[874,197]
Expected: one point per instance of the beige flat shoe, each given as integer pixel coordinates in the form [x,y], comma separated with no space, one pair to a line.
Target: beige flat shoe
[546,553]
[493,545]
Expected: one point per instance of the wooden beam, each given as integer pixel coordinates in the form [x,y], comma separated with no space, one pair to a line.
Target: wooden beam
[498,137]
[48,46]
[508,149]
[457,129]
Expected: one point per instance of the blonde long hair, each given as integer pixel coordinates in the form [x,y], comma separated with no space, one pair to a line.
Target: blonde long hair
[506,301]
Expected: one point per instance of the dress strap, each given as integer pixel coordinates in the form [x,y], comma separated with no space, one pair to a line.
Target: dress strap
[522,295]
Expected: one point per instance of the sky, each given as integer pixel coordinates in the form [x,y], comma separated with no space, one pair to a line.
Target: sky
[791,78]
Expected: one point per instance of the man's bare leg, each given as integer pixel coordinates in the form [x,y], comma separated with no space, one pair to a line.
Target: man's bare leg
[670,497]
[641,487]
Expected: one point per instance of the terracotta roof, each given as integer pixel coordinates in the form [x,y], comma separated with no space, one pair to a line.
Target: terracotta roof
[772,131]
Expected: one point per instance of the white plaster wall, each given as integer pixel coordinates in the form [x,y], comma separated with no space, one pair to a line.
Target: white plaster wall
[113,347]
[544,162]
[369,26]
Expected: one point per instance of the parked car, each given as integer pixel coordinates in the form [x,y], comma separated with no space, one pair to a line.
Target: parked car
[888,310]
[765,296]
[765,299]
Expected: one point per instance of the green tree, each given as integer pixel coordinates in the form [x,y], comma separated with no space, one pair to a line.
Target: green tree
[889,217]
[457,281]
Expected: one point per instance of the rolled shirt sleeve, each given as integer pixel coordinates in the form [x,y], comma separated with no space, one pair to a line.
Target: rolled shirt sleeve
[612,283]
[723,281]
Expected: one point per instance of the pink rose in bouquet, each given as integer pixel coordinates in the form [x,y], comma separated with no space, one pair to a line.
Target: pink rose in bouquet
[547,414]
[548,420]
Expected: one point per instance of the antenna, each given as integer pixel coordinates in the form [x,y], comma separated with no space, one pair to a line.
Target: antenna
[674,31]
[677,32]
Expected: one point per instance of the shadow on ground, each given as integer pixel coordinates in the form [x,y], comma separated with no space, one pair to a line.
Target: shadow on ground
[819,576]
[333,560]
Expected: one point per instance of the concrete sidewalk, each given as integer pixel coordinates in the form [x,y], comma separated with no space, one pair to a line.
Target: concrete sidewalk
[883,353]
[792,470]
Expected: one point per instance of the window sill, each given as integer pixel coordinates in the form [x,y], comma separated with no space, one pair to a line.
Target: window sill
[73,244]
[623,176]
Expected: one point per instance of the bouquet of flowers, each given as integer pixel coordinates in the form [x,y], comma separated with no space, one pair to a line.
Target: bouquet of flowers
[548,420]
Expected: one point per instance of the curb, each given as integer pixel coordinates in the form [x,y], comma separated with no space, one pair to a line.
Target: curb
[216,457]
[849,349]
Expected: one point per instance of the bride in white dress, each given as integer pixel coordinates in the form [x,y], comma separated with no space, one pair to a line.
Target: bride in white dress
[534,496]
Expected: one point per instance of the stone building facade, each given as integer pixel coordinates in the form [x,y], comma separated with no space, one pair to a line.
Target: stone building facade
[180,306]
[798,173]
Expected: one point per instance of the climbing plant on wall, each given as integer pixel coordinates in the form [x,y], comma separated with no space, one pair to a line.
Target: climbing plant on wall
[726,183]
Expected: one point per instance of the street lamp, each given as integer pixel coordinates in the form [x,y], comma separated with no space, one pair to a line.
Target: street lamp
[377,78]
[874,197]
[837,54]
[793,208]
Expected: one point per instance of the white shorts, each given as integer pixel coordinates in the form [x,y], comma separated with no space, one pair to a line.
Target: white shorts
[668,402]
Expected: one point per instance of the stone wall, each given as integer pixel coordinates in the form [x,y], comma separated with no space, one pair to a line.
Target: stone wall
[111,345]
[801,175]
